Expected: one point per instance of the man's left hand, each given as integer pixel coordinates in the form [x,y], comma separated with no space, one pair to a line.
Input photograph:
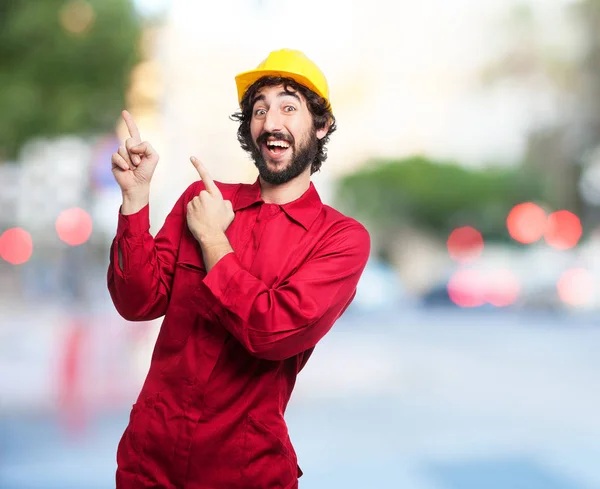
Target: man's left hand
[208,214]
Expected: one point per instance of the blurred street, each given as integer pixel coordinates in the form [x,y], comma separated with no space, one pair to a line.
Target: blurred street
[415,398]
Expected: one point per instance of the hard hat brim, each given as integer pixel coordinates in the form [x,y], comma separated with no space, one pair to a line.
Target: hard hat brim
[246,79]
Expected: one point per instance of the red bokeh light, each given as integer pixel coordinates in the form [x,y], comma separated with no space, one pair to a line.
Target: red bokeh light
[563,230]
[16,246]
[465,244]
[576,286]
[526,222]
[503,288]
[465,288]
[74,226]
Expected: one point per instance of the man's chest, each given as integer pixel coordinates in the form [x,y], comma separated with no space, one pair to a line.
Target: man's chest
[268,244]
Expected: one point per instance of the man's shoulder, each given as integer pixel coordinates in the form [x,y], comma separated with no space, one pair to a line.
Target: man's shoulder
[227,189]
[335,220]
[333,215]
[339,232]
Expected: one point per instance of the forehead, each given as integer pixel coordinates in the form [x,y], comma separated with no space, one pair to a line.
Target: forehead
[272,93]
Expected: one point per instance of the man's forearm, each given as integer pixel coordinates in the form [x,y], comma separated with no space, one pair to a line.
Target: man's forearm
[214,248]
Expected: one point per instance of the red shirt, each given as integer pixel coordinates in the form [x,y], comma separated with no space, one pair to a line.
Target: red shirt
[210,414]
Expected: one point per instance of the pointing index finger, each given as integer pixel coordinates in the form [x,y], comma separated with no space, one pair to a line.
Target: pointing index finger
[210,185]
[131,126]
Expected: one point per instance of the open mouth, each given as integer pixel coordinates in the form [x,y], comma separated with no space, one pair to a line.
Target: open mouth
[276,148]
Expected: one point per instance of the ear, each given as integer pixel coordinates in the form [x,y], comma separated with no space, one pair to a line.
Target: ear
[321,133]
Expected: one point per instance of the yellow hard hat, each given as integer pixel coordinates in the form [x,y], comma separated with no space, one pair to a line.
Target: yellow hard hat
[287,63]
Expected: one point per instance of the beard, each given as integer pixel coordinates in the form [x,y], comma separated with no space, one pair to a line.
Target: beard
[302,157]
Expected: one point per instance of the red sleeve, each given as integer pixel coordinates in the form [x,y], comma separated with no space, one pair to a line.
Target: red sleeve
[140,290]
[278,323]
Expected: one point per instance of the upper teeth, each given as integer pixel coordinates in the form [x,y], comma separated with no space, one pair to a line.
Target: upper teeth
[283,144]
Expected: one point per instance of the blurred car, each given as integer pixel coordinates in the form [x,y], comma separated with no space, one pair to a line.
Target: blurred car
[379,289]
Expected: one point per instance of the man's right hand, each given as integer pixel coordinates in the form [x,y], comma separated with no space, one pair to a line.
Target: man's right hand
[133,166]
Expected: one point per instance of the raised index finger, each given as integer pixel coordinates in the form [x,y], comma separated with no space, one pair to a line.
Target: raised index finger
[133,129]
[210,185]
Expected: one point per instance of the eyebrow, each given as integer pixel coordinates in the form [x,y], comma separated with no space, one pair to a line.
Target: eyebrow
[283,93]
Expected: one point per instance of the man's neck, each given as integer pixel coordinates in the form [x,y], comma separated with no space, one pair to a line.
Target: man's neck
[286,192]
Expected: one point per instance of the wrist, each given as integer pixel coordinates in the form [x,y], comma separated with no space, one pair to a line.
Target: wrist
[212,239]
[214,247]
[133,202]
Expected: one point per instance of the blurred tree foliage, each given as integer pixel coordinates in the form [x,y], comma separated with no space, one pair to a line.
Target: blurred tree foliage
[63,66]
[541,48]
[436,196]
[439,196]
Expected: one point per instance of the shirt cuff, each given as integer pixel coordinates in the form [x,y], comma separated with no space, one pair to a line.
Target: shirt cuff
[219,276]
[134,224]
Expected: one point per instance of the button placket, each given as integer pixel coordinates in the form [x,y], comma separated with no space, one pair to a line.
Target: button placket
[267,211]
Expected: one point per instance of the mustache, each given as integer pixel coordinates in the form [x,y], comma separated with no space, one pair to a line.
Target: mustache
[278,136]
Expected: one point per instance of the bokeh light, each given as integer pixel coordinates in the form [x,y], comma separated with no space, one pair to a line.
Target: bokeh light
[77,16]
[576,287]
[526,222]
[563,230]
[74,226]
[16,246]
[465,244]
[502,288]
[466,288]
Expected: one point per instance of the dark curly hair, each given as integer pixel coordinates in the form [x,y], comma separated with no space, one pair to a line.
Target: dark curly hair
[317,105]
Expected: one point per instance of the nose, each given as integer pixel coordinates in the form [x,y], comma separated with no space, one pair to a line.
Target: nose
[273,122]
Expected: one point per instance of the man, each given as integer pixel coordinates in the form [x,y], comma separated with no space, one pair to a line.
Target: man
[249,279]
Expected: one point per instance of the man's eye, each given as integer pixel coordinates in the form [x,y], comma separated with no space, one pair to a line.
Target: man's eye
[289,108]
[260,112]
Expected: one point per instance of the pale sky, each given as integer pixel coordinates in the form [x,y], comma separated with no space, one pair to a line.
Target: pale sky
[403,81]
[419,63]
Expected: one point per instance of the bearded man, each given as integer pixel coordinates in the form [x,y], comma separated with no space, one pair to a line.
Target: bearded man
[248,277]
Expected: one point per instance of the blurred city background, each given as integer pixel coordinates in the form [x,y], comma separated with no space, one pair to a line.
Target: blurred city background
[468,145]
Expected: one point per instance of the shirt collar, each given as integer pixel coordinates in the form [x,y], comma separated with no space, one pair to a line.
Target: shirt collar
[303,210]
[246,195]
